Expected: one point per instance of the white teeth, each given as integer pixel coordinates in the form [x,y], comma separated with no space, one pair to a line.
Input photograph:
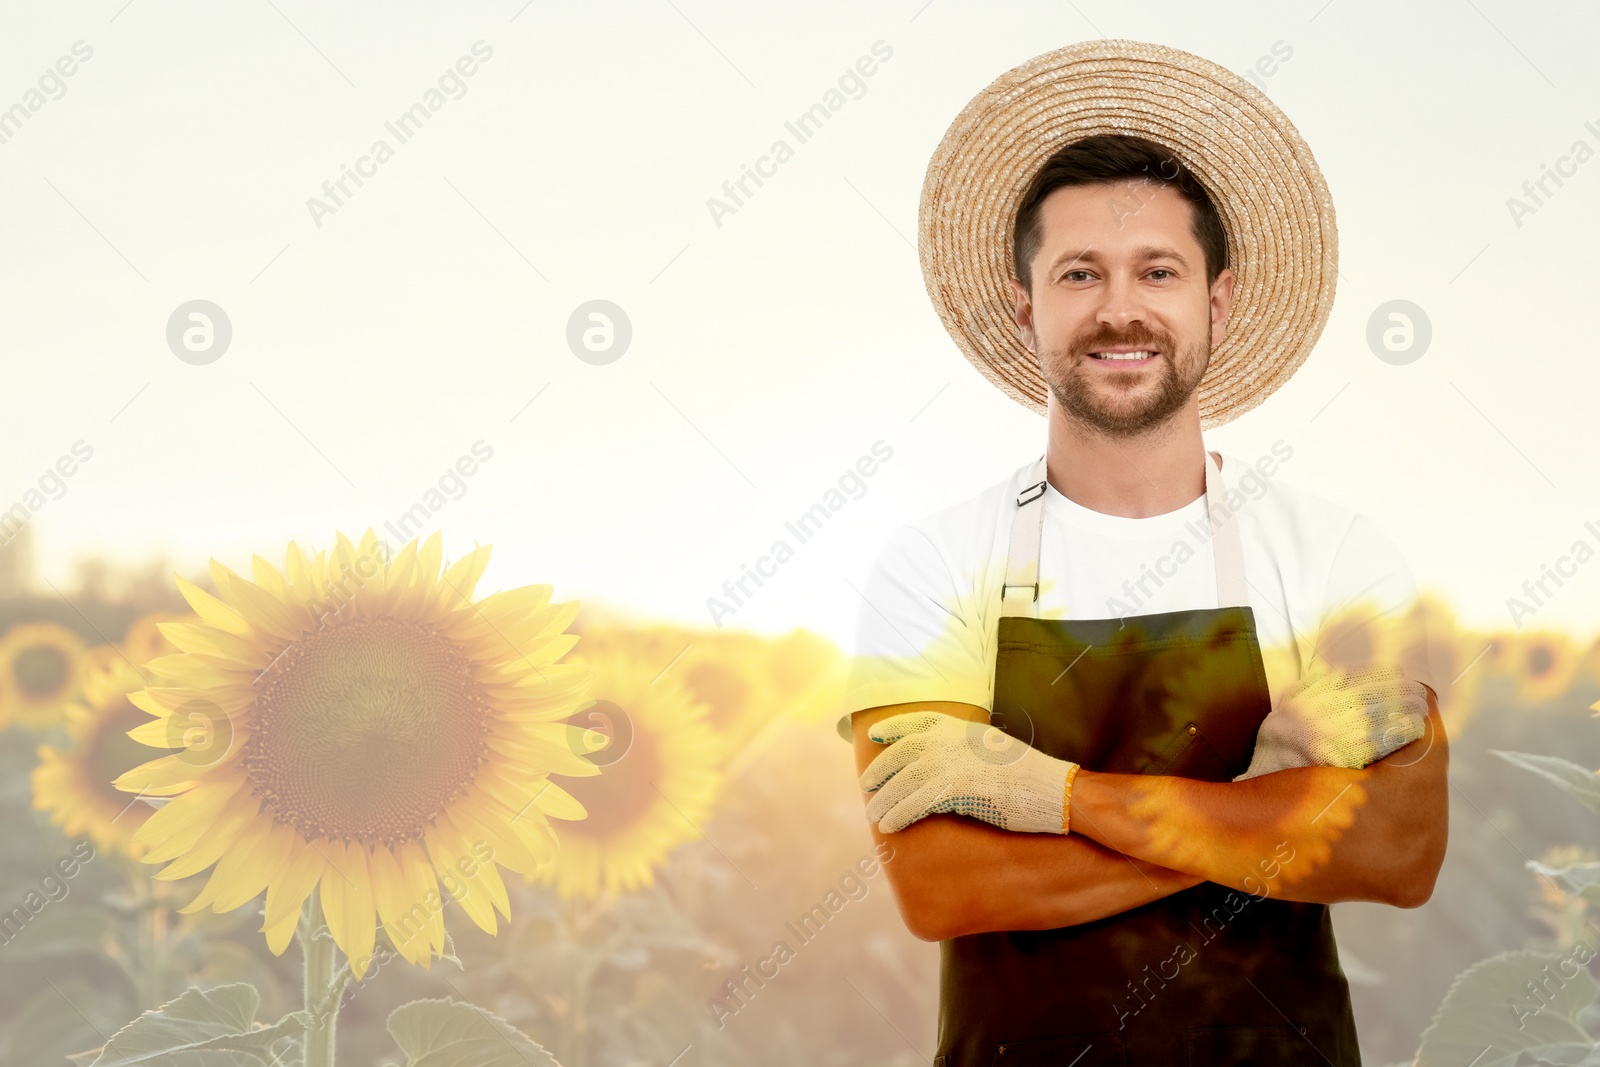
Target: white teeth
[1122,355]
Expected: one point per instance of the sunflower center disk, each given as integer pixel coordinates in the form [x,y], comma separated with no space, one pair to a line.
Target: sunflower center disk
[40,671]
[367,731]
[625,790]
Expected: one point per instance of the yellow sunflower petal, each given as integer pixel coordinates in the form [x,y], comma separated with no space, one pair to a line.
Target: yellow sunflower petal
[287,894]
[180,821]
[346,890]
[164,776]
[230,874]
[268,578]
[248,869]
[298,573]
[403,917]
[457,869]
[509,851]
[219,647]
[280,934]
[260,608]
[423,885]
[212,611]
[213,843]
[463,575]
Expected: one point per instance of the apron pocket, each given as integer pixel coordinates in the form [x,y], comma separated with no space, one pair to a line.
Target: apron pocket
[1213,1046]
[1189,755]
[1105,1049]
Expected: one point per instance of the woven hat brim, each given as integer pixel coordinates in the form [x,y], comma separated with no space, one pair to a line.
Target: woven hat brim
[1258,170]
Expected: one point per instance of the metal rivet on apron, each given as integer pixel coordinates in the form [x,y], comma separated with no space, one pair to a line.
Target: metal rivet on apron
[1191,729]
[1302,1030]
[1002,1050]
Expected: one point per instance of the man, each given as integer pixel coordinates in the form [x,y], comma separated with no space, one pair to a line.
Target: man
[1137,714]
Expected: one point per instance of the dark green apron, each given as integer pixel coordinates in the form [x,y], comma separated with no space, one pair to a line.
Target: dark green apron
[1209,975]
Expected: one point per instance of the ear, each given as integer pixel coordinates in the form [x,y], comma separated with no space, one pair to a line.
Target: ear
[1221,304]
[1022,313]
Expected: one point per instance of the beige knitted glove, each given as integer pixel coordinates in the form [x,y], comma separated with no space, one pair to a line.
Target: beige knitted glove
[1340,718]
[943,763]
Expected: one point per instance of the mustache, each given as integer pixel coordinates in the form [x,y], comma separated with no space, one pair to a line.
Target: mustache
[1104,339]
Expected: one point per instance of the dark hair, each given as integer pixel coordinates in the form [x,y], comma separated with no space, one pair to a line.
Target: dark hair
[1112,157]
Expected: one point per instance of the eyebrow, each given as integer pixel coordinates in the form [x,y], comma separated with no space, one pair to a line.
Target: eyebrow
[1143,252]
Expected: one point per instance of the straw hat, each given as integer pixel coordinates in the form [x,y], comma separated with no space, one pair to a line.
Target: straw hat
[1275,207]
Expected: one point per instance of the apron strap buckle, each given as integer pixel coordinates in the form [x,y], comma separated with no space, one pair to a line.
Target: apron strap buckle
[1031,493]
[1006,594]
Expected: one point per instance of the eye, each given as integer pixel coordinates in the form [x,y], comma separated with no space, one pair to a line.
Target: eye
[1161,270]
[1069,274]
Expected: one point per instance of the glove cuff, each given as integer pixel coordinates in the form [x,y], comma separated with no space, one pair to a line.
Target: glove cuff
[1066,798]
[1041,799]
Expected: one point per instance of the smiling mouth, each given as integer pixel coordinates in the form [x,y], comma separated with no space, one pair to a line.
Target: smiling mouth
[1126,359]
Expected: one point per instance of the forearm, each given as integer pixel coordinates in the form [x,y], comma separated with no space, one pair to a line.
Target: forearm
[954,876]
[1321,834]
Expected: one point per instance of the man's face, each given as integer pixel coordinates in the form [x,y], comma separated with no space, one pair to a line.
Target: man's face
[1119,268]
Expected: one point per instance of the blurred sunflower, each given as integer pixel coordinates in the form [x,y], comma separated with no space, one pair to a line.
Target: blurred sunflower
[39,673]
[1591,660]
[730,672]
[360,727]
[1545,665]
[74,785]
[1359,634]
[96,661]
[808,675]
[144,640]
[1450,653]
[1492,653]
[660,778]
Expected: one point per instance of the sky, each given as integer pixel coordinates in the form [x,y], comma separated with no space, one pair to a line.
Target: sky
[415,340]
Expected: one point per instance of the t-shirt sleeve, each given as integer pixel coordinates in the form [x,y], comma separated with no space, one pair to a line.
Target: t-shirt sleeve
[1372,612]
[916,636]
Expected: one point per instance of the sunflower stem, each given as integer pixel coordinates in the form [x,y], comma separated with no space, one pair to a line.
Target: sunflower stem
[321,998]
[150,930]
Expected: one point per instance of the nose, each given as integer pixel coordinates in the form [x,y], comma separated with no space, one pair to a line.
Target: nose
[1120,304]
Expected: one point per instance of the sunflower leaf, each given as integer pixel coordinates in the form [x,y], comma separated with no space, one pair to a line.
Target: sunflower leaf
[1490,1013]
[438,1033]
[1582,783]
[1569,1054]
[449,952]
[202,1028]
[1579,879]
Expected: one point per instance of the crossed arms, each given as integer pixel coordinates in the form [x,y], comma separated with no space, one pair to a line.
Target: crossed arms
[1319,834]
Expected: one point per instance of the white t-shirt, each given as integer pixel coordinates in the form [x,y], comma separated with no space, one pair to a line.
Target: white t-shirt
[1326,585]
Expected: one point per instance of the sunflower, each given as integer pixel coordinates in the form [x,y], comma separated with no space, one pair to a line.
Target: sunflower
[74,785]
[144,640]
[730,672]
[1450,653]
[1591,660]
[38,673]
[1492,653]
[808,674]
[1545,665]
[660,778]
[1360,634]
[95,662]
[359,726]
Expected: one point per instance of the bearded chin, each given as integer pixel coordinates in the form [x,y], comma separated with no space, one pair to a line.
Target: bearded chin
[1069,381]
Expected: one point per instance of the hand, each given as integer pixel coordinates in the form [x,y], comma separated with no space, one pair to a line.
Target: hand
[939,762]
[1340,718]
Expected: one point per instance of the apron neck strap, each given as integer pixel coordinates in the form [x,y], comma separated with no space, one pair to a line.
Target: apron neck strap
[1020,595]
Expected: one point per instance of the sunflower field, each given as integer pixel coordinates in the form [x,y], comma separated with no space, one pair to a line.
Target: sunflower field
[350,807]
